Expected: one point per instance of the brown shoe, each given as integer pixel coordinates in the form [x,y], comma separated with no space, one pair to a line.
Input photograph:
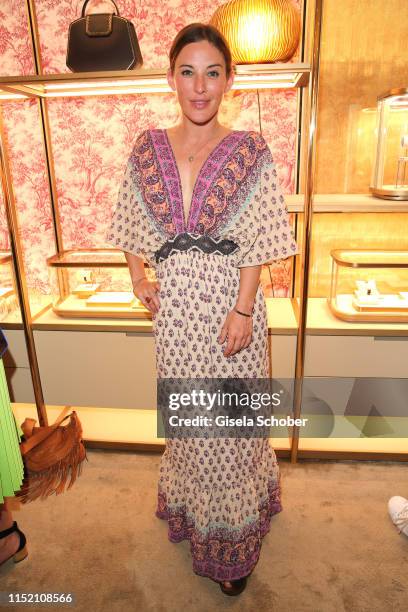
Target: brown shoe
[237,586]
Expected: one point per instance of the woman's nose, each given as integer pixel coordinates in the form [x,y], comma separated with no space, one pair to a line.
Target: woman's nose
[199,84]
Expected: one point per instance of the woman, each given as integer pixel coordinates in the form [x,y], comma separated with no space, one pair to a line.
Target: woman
[208,309]
[12,540]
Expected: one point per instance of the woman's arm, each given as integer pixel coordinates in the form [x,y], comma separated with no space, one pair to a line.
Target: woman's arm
[248,285]
[136,267]
[237,328]
[142,287]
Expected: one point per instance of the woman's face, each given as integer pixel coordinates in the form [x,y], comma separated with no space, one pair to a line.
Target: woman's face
[200,81]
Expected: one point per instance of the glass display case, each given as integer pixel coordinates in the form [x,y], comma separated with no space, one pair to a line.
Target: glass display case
[369,285]
[8,293]
[390,170]
[94,283]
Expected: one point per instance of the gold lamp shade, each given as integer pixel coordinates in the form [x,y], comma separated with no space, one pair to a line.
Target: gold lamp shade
[259,31]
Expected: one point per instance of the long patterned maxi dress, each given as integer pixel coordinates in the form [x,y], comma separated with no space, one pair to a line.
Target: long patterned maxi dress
[218,493]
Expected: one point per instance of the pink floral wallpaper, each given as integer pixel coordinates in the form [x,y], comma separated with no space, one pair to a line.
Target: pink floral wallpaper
[16,53]
[30,188]
[91,137]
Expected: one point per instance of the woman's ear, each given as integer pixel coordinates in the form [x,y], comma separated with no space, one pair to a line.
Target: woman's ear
[230,80]
[170,79]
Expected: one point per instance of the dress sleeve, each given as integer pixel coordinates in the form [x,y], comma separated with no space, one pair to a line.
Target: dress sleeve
[130,228]
[270,236]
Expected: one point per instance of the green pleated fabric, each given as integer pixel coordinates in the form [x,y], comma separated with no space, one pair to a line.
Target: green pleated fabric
[11,462]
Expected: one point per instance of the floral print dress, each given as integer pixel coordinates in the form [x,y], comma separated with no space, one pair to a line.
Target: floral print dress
[218,493]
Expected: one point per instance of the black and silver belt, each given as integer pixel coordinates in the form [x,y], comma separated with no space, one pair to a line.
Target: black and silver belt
[186,242]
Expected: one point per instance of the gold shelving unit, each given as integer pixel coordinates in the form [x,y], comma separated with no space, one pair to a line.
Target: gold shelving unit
[46,86]
[114,82]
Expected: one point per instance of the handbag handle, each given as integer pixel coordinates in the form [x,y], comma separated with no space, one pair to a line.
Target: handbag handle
[42,434]
[86,2]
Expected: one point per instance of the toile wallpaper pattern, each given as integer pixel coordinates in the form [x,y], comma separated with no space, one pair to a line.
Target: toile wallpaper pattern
[91,137]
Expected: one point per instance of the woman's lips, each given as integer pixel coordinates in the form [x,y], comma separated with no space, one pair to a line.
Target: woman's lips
[199,103]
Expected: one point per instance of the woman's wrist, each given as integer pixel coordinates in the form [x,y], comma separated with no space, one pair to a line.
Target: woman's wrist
[246,306]
[138,280]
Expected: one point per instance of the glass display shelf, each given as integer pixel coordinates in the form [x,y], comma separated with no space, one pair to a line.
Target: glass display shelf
[248,76]
[94,283]
[136,428]
[390,170]
[380,296]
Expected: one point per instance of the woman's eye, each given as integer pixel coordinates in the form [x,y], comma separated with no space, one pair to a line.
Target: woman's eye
[186,71]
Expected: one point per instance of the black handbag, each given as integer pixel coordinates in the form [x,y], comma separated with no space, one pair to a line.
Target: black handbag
[102,41]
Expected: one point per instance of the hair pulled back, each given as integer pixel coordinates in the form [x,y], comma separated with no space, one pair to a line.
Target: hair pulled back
[195,32]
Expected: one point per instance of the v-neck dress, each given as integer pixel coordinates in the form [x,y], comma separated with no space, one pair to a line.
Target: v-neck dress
[218,493]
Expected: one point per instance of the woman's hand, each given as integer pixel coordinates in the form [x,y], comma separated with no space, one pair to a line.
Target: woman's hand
[147,292]
[237,329]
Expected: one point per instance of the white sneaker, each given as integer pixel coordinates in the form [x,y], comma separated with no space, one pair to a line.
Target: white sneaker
[398,509]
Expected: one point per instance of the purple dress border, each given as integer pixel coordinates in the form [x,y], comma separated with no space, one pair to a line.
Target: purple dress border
[170,176]
[210,169]
[216,556]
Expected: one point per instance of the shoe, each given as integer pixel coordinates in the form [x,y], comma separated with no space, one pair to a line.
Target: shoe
[21,552]
[398,509]
[237,586]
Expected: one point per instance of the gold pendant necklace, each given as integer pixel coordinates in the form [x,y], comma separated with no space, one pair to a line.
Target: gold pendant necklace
[191,157]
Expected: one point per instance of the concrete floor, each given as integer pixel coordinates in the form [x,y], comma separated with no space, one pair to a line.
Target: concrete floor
[333,548]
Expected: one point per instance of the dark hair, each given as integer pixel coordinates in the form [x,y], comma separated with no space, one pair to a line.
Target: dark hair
[195,32]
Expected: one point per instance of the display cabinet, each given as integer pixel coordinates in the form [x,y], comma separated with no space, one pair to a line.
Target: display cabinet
[94,283]
[352,355]
[390,169]
[369,285]
[9,306]
[94,324]
[16,364]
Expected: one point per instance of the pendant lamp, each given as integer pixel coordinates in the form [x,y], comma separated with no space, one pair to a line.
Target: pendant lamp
[259,31]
